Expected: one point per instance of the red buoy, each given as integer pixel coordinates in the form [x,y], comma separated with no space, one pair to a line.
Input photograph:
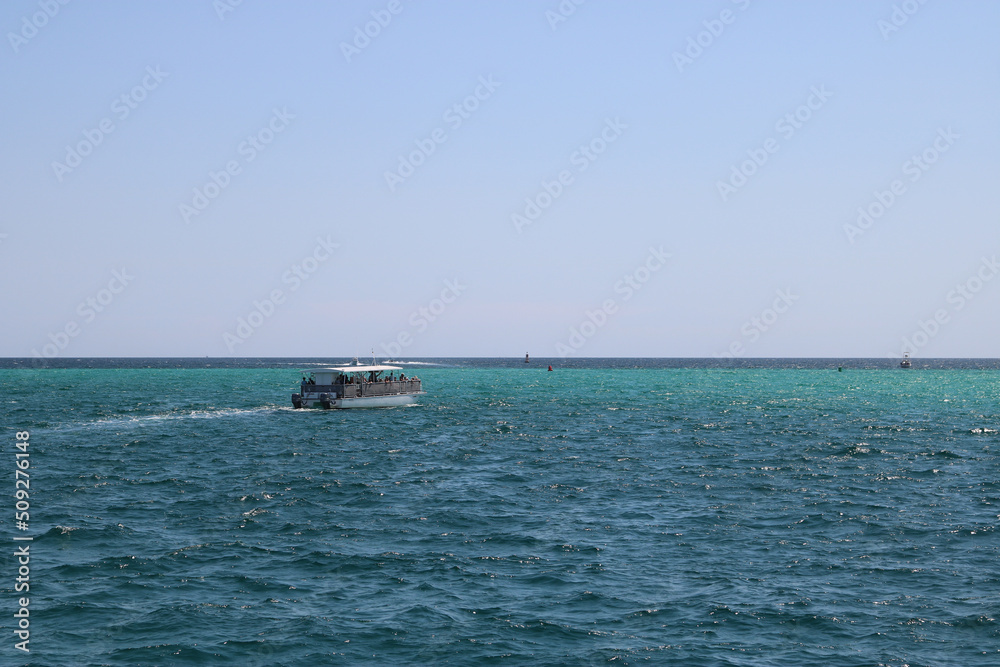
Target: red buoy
[550,368]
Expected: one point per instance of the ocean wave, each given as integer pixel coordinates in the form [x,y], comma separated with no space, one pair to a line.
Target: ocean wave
[859,449]
[204,413]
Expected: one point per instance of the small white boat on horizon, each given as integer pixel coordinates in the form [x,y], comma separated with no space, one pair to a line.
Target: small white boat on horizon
[905,363]
[356,386]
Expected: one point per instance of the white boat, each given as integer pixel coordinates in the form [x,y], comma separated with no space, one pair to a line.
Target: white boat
[356,386]
[905,363]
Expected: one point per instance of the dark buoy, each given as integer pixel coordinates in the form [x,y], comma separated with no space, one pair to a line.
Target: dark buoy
[840,369]
[550,367]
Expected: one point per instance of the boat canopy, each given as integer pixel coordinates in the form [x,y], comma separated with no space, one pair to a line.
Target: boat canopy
[354,369]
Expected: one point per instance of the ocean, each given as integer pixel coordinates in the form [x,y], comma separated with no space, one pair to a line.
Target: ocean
[612,511]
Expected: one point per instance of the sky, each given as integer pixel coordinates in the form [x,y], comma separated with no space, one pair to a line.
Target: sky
[571,179]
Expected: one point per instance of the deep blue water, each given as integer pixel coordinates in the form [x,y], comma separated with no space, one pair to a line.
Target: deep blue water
[612,511]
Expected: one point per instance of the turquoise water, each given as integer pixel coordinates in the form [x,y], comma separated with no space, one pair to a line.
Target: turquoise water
[585,516]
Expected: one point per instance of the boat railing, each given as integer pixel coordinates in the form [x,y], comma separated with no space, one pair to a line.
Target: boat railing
[388,388]
[365,388]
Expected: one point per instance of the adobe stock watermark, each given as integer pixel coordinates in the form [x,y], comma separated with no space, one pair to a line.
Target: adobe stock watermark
[957,299]
[562,13]
[122,107]
[581,159]
[248,150]
[697,44]
[628,286]
[223,7]
[914,168]
[381,18]
[30,25]
[87,310]
[900,15]
[753,328]
[422,317]
[454,116]
[294,277]
[787,126]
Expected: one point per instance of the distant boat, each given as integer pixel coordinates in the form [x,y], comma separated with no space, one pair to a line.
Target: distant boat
[526,359]
[905,363]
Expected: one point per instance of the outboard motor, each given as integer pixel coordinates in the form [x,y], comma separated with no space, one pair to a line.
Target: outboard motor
[296,401]
[325,401]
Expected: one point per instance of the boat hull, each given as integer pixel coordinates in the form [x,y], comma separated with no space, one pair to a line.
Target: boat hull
[388,401]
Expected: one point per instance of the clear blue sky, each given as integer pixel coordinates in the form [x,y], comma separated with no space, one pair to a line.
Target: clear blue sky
[310,118]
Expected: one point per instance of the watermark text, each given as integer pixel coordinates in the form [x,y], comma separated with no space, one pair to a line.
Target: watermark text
[88,310]
[294,277]
[31,25]
[248,150]
[714,27]
[629,284]
[753,328]
[454,116]
[122,107]
[957,299]
[913,168]
[381,18]
[581,159]
[787,126]
[900,15]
